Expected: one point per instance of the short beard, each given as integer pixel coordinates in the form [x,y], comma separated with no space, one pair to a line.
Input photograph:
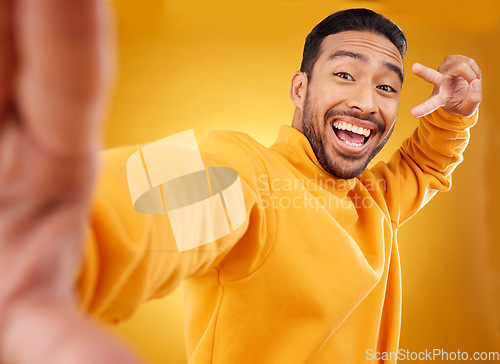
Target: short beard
[318,142]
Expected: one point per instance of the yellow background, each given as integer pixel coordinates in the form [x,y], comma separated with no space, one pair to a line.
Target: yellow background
[225,64]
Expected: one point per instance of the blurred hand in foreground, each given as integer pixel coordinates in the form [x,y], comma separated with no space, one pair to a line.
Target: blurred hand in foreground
[56,68]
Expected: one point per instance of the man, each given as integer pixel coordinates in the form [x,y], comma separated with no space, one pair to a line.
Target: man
[316,280]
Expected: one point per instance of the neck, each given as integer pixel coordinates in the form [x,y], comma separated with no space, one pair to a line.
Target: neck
[297,120]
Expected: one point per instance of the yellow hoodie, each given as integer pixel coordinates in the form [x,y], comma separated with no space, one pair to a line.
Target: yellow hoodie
[312,275]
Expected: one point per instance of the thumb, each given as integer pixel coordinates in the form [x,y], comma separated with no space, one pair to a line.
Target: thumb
[473,98]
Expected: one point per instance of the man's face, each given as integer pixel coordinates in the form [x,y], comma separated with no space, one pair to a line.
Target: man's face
[351,100]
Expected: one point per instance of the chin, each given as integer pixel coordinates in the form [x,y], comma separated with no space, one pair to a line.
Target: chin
[345,174]
[345,169]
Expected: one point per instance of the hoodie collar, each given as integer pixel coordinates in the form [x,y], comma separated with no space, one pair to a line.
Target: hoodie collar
[293,146]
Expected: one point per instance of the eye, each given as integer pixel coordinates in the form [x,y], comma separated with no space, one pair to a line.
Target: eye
[386,88]
[344,75]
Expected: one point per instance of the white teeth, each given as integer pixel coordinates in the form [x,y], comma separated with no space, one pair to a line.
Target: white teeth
[355,129]
[352,144]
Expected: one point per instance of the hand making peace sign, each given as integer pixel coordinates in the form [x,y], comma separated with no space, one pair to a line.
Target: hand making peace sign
[457,86]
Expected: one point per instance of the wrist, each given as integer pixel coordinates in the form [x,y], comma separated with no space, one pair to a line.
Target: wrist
[52,331]
[449,121]
[31,327]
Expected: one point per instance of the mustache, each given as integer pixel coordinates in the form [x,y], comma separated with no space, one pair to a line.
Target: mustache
[370,118]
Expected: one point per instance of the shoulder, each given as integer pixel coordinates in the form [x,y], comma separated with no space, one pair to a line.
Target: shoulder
[228,139]
[233,146]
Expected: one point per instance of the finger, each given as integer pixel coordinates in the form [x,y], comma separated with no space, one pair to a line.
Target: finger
[475,67]
[428,106]
[459,69]
[7,58]
[456,58]
[472,99]
[428,74]
[65,50]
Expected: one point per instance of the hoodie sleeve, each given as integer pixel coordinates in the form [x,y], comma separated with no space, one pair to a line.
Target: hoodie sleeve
[423,165]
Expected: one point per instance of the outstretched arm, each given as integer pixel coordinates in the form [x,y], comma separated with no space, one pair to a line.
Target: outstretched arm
[424,163]
[55,73]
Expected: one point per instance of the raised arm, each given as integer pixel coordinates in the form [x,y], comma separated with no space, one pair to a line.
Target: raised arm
[55,72]
[424,163]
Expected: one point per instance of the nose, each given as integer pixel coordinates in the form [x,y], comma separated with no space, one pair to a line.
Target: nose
[362,99]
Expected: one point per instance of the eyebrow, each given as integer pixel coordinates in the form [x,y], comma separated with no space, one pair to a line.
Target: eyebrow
[362,57]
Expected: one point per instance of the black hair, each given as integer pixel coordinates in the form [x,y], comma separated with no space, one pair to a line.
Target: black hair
[351,19]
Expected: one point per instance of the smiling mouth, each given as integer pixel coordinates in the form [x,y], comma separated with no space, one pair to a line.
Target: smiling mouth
[350,134]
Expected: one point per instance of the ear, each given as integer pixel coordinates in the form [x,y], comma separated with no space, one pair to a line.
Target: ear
[298,89]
